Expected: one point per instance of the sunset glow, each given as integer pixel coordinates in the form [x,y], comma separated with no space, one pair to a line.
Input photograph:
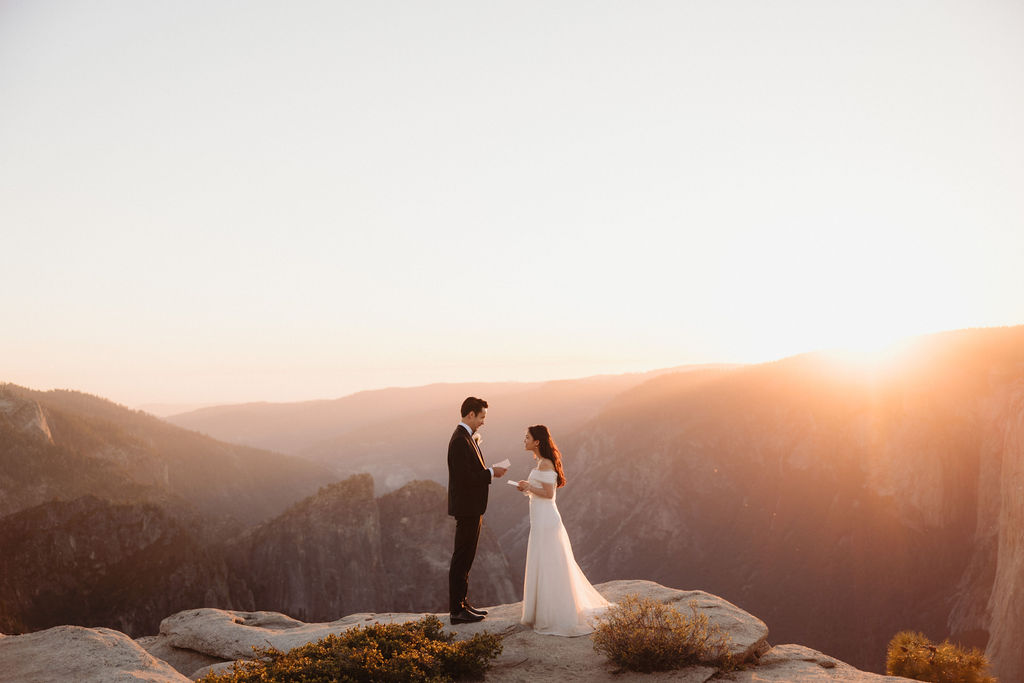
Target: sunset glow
[877,361]
[221,202]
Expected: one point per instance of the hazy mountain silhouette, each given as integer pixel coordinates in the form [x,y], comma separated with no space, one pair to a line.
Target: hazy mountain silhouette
[400,435]
[294,427]
[65,444]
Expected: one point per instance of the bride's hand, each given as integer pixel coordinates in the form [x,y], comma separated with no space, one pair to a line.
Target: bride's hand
[523,485]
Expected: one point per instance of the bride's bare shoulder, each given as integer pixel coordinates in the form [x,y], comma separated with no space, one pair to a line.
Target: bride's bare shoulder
[546,466]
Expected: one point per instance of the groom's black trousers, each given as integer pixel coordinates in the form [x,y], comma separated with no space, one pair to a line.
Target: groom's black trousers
[467,534]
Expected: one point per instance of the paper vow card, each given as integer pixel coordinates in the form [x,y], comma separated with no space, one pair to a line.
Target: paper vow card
[513,483]
[506,463]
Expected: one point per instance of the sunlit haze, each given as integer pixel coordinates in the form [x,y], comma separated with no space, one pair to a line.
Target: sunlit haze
[234,201]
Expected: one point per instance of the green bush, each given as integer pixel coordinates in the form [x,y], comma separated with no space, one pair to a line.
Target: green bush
[647,635]
[413,651]
[912,655]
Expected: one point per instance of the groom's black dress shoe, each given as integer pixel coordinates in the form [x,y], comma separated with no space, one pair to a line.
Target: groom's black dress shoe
[473,610]
[464,616]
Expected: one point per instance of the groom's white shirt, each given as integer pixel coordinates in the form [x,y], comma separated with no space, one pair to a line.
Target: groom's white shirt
[463,424]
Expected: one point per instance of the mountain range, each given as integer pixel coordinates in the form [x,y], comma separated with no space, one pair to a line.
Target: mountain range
[114,518]
[65,444]
[840,501]
[399,435]
[877,493]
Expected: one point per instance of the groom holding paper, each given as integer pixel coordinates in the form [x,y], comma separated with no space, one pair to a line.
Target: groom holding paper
[468,482]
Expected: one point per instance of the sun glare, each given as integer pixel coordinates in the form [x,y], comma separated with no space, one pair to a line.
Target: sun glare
[869,360]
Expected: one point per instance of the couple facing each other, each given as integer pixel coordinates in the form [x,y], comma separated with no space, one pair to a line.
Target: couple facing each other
[557,598]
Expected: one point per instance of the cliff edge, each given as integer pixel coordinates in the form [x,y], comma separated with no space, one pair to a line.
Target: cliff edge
[195,642]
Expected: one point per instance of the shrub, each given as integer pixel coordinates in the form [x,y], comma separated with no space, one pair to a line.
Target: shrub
[413,651]
[647,635]
[912,655]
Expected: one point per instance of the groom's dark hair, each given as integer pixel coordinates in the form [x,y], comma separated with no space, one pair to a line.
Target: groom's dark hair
[473,405]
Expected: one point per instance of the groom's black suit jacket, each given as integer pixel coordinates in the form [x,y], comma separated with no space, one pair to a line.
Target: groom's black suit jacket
[468,478]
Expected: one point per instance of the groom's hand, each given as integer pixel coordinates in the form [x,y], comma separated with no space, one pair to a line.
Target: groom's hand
[499,472]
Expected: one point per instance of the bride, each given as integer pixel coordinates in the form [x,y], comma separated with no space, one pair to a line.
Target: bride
[557,598]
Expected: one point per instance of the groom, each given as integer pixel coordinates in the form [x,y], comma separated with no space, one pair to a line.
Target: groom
[468,479]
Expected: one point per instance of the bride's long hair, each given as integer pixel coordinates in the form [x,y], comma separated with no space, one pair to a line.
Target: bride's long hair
[549,450]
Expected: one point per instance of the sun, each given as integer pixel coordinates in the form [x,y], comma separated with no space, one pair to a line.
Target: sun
[875,358]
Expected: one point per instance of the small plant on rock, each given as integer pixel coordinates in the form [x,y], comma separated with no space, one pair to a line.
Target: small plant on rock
[413,651]
[912,655]
[646,635]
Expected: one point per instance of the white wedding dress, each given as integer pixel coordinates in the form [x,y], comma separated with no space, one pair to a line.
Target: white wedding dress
[557,598]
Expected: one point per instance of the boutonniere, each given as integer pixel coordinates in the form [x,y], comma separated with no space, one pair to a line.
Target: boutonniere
[477,438]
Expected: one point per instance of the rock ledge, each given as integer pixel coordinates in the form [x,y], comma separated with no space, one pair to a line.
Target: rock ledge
[198,641]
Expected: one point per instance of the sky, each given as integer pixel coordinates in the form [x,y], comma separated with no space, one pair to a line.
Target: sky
[214,202]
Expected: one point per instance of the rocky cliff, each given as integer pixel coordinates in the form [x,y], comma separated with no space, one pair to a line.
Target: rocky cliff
[990,602]
[200,641]
[95,562]
[91,562]
[344,551]
[416,545]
